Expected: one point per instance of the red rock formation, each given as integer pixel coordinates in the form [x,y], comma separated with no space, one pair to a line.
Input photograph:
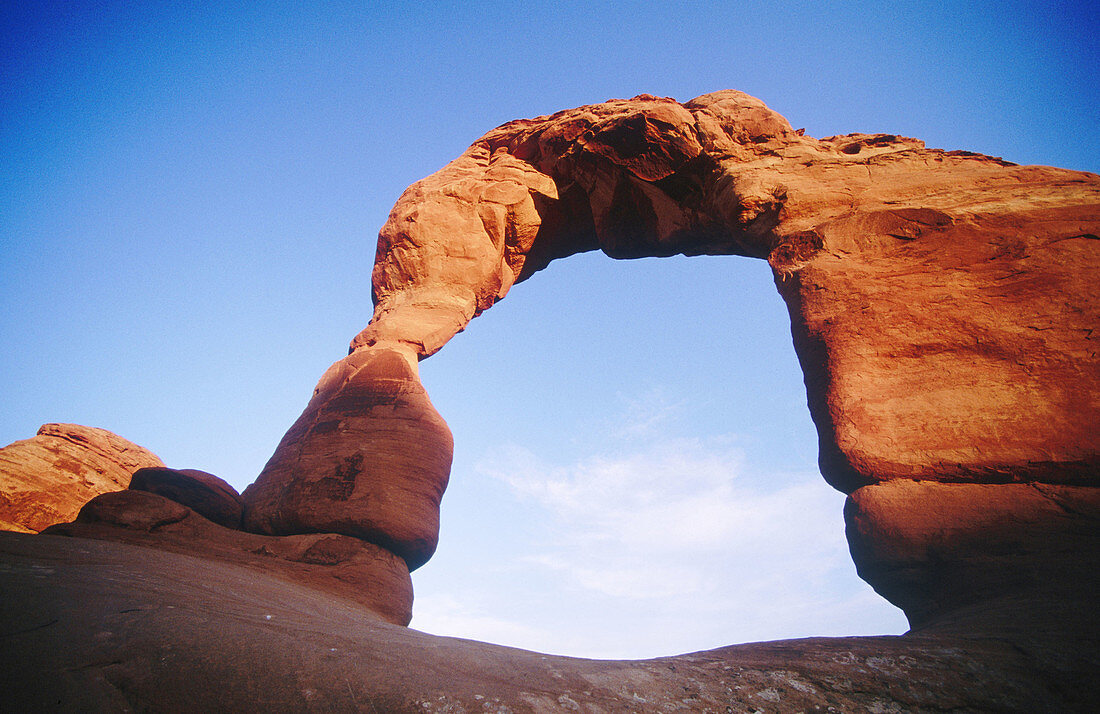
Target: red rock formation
[369,458]
[943,303]
[981,557]
[366,574]
[46,479]
[103,626]
[205,494]
[76,473]
[943,306]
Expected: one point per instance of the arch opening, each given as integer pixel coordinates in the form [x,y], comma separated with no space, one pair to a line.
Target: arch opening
[635,462]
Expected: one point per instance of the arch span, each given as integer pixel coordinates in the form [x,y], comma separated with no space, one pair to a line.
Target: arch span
[943,307]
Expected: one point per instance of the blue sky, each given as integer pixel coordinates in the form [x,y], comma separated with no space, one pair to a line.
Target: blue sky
[190,197]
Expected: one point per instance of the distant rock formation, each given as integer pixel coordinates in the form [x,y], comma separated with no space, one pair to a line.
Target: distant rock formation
[46,479]
[943,306]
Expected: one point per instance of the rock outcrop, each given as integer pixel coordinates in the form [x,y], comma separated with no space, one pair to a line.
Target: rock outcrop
[47,479]
[369,458]
[943,307]
[368,575]
[980,557]
[76,481]
[95,626]
[205,494]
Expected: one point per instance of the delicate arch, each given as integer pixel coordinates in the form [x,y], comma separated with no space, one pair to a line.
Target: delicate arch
[942,305]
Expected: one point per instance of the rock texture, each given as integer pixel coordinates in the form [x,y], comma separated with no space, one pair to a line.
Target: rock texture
[335,565]
[46,479]
[980,557]
[943,307]
[205,494]
[96,626]
[369,457]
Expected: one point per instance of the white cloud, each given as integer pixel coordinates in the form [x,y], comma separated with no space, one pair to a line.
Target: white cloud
[675,499]
[654,546]
[645,415]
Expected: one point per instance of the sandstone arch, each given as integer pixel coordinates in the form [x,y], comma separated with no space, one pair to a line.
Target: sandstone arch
[943,307]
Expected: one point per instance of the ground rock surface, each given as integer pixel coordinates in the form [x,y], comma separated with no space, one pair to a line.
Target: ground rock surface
[332,564]
[47,478]
[98,626]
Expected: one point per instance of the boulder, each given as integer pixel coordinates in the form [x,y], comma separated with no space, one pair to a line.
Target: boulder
[134,510]
[204,493]
[47,478]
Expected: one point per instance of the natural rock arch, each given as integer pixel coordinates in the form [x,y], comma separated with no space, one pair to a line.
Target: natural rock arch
[942,306]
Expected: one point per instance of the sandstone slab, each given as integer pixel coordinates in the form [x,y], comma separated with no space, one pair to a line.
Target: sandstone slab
[47,478]
[98,626]
[332,564]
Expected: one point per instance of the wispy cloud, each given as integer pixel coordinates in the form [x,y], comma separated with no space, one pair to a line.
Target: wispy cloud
[656,544]
[655,522]
[645,415]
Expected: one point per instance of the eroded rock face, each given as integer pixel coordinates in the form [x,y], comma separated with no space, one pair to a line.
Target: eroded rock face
[943,307]
[47,479]
[369,458]
[1005,555]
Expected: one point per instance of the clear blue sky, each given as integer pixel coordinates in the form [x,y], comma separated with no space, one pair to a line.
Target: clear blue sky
[190,198]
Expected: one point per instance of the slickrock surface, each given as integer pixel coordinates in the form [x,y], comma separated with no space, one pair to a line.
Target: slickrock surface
[94,626]
[204,493]
[368,575]
[47,478]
